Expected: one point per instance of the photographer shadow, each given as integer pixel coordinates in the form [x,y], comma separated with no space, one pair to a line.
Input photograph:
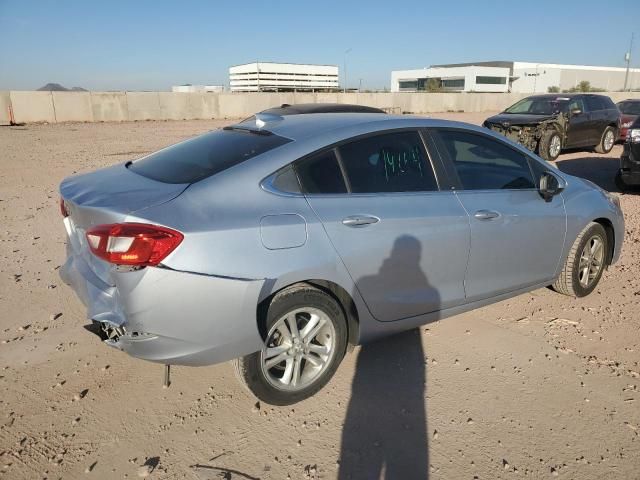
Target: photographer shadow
[385,429]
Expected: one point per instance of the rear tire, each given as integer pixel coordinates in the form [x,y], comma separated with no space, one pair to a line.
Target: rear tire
[585,263]
[550,145]
[620,184]
[306,339]
[607,141]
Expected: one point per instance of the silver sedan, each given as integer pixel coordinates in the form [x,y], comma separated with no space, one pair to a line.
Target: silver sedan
[280,240]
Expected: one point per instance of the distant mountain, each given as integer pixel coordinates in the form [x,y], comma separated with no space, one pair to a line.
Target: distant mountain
[56,87]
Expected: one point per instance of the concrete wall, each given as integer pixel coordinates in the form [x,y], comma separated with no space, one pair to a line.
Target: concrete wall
[109,107]
[144,106]
[51,107]
[5,105]
[29,107]
[72,106]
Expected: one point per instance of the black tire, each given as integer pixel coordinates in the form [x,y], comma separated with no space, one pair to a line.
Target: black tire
[249,369]
[604,146]
[544,145]
[568,282]
[620,183]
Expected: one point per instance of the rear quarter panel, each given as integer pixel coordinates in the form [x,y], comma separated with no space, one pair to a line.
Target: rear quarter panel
[234,228]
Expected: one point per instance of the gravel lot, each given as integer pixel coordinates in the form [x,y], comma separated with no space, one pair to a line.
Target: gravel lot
[538,386]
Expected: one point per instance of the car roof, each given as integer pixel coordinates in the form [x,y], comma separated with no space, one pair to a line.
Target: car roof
[633,100]
[307,108]
[298,127]
[565,95]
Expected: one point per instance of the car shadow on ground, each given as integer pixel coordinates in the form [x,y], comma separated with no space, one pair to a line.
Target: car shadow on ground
[385,429]
[599,170]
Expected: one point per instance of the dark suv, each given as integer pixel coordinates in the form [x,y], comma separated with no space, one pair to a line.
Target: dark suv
[629,173]
[547,124]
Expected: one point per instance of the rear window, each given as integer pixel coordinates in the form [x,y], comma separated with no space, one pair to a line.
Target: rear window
[595,103]
[629,108]
[205,155]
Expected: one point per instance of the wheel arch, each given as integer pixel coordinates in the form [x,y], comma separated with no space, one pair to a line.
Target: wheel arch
[561,130]
[611,237]
[342,296]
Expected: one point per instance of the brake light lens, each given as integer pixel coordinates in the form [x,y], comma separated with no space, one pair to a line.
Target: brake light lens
[136,244]
[63,208]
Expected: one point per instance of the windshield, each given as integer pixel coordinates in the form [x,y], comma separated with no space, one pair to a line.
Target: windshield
[540,106]
[629,108]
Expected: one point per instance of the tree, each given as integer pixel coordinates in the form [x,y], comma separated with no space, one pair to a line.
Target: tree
[583,86]
[433,85]
[553,89]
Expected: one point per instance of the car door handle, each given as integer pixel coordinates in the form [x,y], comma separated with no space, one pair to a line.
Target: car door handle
[486,215]
[359,220]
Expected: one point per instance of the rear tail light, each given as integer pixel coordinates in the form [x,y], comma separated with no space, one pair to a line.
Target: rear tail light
[63,208]
[136,244]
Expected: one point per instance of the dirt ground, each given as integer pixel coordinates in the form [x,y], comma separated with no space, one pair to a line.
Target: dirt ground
[538,386]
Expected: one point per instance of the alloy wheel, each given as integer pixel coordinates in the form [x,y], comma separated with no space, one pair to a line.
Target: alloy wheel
[299,348]
[591,261]
[554,146]
[609,139]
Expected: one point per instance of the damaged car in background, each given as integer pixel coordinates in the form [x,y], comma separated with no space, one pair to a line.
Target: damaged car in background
[548,124]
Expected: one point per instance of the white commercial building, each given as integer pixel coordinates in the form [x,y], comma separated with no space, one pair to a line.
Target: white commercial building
[521,77]
[451,79]
[188,88]
[274,77]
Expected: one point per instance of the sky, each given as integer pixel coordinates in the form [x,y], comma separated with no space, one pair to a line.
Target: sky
[152,45]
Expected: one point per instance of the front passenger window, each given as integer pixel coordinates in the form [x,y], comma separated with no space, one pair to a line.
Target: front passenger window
[576,104]
[483,163]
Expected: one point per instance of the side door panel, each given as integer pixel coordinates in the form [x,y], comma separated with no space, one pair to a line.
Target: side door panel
[516,237]
[520,247]
[579,130]
[412,261]
[406,251]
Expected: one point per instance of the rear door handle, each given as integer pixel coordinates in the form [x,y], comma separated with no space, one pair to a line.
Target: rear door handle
[486,215]
[359,220]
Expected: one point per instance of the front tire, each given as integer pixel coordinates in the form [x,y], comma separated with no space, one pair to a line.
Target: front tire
[550,145]
[306,339]
[585,263]
[607,141]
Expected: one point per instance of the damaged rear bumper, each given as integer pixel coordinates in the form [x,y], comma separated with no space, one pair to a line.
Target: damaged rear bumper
[168,316]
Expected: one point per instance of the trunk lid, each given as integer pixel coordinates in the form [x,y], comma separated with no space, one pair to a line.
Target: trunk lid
[118,188]
[108,196]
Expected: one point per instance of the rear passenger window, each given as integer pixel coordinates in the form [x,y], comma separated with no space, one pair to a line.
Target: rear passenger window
[595,103]
[608,103]
[483,163]
[393,162]
[321,173]
[286,180]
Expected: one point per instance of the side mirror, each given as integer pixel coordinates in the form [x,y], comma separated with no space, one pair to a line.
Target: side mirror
[550,186]
[575,111]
